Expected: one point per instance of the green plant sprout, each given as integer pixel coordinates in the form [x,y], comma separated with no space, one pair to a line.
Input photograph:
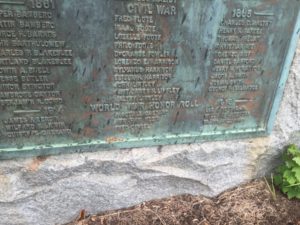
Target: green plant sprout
[287,176]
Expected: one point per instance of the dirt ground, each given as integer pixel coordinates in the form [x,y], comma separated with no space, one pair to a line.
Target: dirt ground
[251,203]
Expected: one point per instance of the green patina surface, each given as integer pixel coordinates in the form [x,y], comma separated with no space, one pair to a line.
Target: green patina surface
[88,75]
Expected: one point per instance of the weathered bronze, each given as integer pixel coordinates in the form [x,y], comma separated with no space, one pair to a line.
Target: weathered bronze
[79,75]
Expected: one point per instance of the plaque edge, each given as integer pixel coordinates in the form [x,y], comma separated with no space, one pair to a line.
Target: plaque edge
[285,72]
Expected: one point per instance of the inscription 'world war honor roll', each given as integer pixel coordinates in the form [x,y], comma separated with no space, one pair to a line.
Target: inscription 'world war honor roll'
[126,73]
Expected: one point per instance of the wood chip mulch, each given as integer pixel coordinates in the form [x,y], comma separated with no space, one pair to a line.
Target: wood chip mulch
[248,204]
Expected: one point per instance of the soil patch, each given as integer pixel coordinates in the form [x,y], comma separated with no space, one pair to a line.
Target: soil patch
[251,203]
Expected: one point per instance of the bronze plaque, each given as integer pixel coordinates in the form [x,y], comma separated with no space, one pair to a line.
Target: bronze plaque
[80,75]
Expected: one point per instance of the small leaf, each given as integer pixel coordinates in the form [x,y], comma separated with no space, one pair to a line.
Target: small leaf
[287,174]
[297,160]
[291,180]
[289,177]
[296,170]
[292,193]
[290,164]
[285,189]
[292,149]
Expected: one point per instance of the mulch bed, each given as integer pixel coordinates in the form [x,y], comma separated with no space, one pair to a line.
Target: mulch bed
[251,203]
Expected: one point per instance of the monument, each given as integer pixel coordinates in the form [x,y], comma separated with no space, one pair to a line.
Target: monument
[79,76]
[82,75]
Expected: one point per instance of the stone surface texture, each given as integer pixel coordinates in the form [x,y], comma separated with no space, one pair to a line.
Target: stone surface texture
[53,190]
